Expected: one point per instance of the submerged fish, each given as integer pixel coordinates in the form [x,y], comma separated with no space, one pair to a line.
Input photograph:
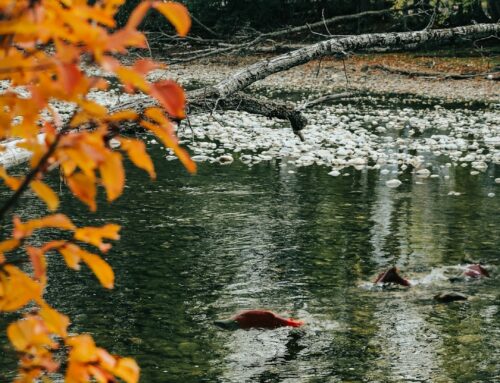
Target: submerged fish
[257,319]
[476,271]
[392,276]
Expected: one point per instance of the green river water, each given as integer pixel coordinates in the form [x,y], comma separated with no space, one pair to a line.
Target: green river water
[304,244]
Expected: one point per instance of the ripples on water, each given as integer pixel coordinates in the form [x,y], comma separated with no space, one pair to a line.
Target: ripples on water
[195,249]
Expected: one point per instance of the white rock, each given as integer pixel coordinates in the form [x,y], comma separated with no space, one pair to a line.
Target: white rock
[423,173]
[394,183]
[497,180]
[491,195]
[334,173]
[200,158]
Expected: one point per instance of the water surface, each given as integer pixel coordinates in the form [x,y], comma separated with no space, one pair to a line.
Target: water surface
[301,243]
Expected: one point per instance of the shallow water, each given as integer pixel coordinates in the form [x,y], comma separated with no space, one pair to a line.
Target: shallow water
[301,243]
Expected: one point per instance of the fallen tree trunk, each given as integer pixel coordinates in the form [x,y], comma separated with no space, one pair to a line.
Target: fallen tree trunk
[265,68]
[430,75]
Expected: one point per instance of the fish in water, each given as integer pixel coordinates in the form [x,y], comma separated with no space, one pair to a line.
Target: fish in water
[476,271]
[257,319]
[392,276]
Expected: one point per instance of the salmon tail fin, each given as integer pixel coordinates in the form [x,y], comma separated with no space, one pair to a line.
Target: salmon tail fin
[294,322]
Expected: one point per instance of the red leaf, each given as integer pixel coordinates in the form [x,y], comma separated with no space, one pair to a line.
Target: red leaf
[171,96]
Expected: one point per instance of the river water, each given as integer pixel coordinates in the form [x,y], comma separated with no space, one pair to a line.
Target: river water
[303,244]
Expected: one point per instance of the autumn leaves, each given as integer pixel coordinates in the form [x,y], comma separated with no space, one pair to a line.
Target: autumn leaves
[43,46]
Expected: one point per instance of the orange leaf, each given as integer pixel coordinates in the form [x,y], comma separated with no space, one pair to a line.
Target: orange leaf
[123,115]
[171,96]
[106,360]
[12,182]
[83,187]
[136,150]
[123,38]
[93,108]
[45,193]
[113,175]
[37,258]
[138,14]
[56,322]
[94,235]
[144,66]
[8,245]
[177,14]
[127,369]
[71,255]
[70,76]
[58,221]
[100,267]
[166,137]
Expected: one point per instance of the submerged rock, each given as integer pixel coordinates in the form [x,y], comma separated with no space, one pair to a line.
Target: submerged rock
[225,159]
[451,296]
[394,183]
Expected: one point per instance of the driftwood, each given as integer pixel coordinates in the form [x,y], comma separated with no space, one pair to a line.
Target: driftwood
[431,75]
[225,93]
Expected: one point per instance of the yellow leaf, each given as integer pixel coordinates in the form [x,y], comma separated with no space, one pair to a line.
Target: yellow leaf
[177,14]
[113,175]
[127,369]
[56,322]
[93,108]
[100,267]
[83,187]
[132,79]
[94,235]
[46,194]
[18,289]
[83,349]
[136,150]
[27,333]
